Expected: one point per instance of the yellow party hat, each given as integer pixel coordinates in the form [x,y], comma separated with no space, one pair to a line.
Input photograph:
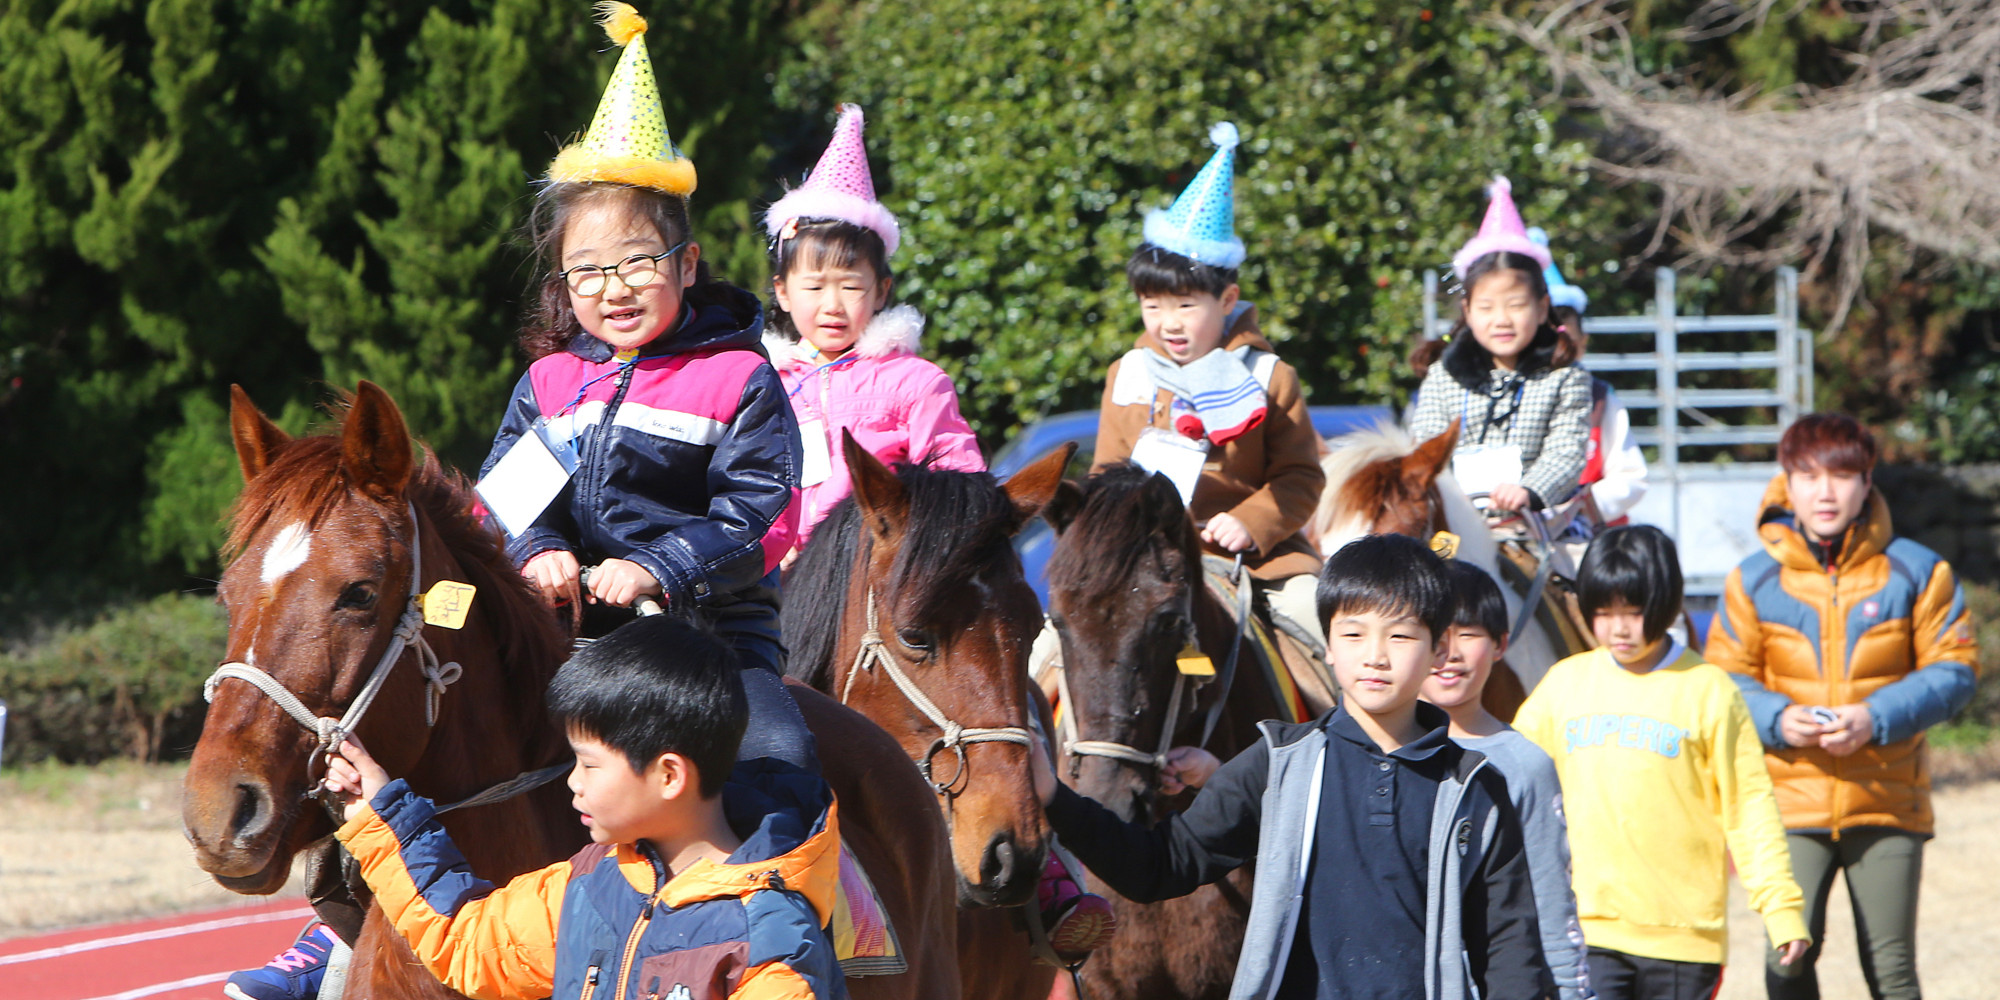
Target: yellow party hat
[628,141]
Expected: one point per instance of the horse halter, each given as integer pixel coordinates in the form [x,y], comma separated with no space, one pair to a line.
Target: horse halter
[409,635]
[875,651]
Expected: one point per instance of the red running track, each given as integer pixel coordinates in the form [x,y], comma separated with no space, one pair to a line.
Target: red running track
[185,957]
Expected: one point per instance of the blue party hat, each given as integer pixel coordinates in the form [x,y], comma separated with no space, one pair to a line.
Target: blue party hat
[1201,225]
[1561,293]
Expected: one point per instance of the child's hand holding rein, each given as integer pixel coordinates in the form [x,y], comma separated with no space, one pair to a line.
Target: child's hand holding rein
[554,573]
[1226,531]
[619,582]
[354,777]
[1510,496]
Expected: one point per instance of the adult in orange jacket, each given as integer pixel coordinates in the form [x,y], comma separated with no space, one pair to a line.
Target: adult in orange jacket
[1847,643]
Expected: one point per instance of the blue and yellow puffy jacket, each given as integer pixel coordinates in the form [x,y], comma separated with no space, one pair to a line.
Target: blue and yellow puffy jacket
[1886,624]
[608,924]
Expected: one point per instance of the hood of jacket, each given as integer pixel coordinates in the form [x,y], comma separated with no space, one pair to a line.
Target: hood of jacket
[894,332]
[1778,527]
[716,315]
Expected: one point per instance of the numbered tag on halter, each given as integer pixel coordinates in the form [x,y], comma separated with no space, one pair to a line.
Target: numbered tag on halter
[447,603]
[1194,664]
[1445,544]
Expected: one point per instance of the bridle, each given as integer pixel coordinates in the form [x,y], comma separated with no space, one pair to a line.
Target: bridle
[873,652]
[1077,749]
[408,637]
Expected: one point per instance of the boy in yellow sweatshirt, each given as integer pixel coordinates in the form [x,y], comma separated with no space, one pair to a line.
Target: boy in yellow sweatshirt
[1661,771]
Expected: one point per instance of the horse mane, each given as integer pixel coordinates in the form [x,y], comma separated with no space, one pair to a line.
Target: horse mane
[305,481]
[959,523]
[1350,454]
[1121,517]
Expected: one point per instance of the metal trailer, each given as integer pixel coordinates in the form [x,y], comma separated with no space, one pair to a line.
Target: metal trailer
[1710,508]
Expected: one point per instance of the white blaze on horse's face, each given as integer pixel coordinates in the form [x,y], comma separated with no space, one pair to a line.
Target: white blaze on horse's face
[287,551]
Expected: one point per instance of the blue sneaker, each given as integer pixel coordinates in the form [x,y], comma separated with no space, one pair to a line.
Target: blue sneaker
[294,975]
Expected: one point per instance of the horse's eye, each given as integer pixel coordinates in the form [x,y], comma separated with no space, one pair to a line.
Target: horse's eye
[917,640]
[357,597]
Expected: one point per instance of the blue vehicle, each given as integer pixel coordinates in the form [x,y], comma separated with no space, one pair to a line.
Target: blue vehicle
[1037,541]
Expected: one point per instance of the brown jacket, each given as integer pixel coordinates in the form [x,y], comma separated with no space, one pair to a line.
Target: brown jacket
[1886,624]
[1269,478]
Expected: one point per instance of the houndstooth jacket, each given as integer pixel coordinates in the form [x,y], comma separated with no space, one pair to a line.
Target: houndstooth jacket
[1551,425]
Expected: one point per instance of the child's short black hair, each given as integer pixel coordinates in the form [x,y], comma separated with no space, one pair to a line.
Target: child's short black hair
[657,685]
[1477,599]
[1155,270]
[1637,565]
[1390,575]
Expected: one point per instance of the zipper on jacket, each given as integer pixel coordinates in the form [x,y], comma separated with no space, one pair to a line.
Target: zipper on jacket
[590,977]
[645,918]
[594,458]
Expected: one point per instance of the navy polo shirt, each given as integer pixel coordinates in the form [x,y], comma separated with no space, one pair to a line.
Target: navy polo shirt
[1361,929]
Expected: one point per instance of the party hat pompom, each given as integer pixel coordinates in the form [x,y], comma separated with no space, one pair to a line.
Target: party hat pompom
[628,142]
[1201,224]
[1500,231]
[1561,293]
[839,187]
[621,21]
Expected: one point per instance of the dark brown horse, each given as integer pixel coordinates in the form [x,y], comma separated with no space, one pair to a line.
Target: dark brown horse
[910,605]
[322,571]
[1126,594]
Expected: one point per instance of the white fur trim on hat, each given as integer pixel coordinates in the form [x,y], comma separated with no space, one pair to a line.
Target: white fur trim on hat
[820,203]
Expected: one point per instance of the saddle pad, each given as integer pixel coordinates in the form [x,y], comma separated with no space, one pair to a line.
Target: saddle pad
[863,938]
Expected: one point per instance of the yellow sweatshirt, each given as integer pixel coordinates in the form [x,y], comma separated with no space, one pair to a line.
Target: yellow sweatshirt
[1661,771]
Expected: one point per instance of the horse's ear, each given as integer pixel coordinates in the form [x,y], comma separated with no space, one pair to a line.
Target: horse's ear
[1064,506]
[1033,487]
[1423,465]
[884,502]
[257,438]
[375,444]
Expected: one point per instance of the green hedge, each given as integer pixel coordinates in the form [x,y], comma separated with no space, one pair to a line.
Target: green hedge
[127,685]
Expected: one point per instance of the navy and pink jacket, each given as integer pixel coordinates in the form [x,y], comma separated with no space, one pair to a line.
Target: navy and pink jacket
[686,459]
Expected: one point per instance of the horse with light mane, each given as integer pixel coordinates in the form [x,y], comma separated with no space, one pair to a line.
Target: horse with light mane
[1378,481]
[325,545]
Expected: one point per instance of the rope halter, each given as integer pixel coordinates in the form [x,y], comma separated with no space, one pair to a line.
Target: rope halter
[873,652]
[1077,749]
[409,635]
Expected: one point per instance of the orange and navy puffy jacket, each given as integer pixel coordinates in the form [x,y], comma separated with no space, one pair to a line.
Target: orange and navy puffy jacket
[608,924]
[1886,625]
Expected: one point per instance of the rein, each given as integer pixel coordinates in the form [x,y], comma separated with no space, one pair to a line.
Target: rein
[409,636]
[875,651]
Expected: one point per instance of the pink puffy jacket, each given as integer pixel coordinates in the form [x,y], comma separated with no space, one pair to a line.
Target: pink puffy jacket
[897,405]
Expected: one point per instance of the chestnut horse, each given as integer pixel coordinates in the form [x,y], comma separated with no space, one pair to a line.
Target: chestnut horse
[1125,595]
[321,573]
[910,605]
[1379,481]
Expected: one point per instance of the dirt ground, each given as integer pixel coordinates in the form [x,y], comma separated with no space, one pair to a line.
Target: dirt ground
[81,846]
[84,846]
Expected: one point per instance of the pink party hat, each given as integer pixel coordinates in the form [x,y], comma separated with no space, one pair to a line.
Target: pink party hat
[839,187]
[1501,230]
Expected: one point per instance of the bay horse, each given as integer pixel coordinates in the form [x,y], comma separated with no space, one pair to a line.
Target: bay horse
[910,605]
[1379,481]
[1126,594]
[324,547]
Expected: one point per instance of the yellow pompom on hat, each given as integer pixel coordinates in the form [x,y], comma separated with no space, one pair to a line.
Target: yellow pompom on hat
[628,141]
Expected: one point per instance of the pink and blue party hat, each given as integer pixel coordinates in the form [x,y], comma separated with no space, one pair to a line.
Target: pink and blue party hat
[1500,231]
[839,187]
[1201,225]
[1561,293]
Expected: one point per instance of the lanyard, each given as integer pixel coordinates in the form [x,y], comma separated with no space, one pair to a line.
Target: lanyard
[623,367]
[836,363]
[1493,402]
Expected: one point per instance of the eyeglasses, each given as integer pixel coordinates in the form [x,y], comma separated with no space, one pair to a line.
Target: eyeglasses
[636,271]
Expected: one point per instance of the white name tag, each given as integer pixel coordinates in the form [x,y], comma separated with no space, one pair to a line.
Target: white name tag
[1480,468]
[526,480]
[1172,455]
[819,456]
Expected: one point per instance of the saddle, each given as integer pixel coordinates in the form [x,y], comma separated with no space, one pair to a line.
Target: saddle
[1290,655]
